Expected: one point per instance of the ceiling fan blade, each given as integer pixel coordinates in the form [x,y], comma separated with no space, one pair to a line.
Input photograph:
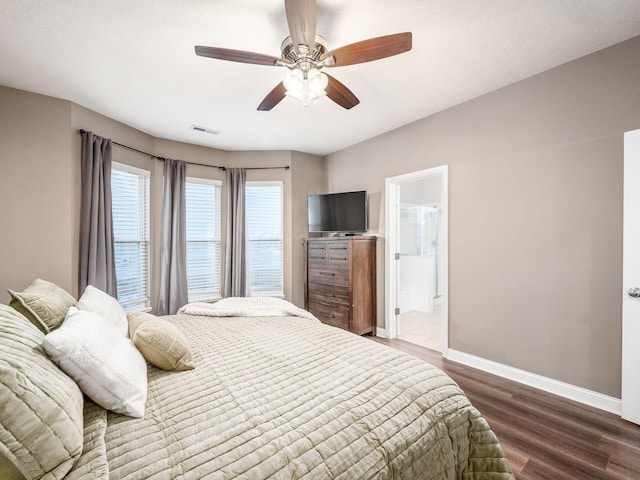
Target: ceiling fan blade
[273,98]
[301,17]
[369,50]
[340,94]
[239,56]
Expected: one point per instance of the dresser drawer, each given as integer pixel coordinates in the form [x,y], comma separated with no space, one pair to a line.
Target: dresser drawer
[316,252]
[338,253]
[330,275]
[330,294]
[334,315]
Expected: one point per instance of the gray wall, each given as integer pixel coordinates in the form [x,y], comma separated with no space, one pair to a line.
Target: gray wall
[535,205]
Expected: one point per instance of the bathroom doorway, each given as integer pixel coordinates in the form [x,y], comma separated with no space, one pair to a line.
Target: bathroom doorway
[416,279]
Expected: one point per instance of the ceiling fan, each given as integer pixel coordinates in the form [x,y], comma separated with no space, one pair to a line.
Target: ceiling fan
[306,54]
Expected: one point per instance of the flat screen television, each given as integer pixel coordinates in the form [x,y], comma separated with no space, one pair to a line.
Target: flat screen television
[342,213]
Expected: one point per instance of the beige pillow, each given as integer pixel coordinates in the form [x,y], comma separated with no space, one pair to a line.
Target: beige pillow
[41,407]
[44,303]
[160,342]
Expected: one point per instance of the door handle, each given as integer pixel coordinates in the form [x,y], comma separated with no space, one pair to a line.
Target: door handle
[634,292]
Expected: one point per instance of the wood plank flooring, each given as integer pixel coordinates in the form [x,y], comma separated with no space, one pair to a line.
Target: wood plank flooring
[544,436]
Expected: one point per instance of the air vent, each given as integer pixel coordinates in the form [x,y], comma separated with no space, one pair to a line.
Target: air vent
[198,128]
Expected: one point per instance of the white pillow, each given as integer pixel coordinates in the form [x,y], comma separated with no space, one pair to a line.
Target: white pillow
[106,366]
[96,301]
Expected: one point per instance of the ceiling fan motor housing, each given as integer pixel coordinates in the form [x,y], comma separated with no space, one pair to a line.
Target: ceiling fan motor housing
[301,56]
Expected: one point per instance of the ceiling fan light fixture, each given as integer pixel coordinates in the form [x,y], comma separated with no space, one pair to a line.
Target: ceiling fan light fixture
[294,82]
[309,89]
[318,81]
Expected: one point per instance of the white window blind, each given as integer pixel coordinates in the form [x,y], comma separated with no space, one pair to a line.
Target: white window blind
[263,203]
[203,239]
[130,209]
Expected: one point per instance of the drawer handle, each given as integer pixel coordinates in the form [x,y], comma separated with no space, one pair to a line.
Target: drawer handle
[331,274]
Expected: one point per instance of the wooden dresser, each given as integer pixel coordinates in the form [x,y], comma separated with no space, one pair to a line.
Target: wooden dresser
[340,282]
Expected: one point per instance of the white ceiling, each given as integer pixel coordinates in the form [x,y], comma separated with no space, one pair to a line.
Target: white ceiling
[134,60]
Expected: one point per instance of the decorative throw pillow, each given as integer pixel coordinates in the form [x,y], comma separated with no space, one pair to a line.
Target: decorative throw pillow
[102,361]
[107,307]
[160,342]
[41,414]
[44,303]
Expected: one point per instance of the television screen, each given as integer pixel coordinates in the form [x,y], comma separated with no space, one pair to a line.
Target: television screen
[338,212]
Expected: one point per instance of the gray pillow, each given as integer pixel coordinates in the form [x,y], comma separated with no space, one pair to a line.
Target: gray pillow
[41,415]
[44,303]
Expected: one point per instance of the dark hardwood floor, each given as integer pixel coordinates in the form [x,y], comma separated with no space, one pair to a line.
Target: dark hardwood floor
[544,436]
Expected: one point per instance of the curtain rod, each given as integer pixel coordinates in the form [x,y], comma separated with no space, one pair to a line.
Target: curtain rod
[81,132]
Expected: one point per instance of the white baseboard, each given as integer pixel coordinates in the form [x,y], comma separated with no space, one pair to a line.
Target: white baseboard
[381,332]
[566,390]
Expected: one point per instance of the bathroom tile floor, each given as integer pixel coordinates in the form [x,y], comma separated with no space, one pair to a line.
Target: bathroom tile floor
[421,328]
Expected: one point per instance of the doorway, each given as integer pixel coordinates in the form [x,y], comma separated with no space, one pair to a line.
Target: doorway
[416,258]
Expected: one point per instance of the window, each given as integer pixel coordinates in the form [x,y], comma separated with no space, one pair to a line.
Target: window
[263,203]
[203,239]
[130,206]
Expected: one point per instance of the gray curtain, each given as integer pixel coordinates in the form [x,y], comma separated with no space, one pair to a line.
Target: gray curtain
[235,279]
[97,260]
[173,268]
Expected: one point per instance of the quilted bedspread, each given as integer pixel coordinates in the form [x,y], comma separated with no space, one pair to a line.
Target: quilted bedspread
[288,398]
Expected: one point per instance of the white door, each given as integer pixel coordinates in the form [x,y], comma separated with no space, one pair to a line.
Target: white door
[631,280]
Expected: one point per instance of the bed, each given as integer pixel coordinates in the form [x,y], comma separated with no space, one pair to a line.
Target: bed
[282,396]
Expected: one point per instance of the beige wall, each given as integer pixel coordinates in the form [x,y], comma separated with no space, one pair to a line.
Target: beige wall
[37,185]
[535,211]
[310,173]
[535,206]
[40,186]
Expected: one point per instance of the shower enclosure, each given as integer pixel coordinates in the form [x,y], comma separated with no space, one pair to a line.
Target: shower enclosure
[420,262]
